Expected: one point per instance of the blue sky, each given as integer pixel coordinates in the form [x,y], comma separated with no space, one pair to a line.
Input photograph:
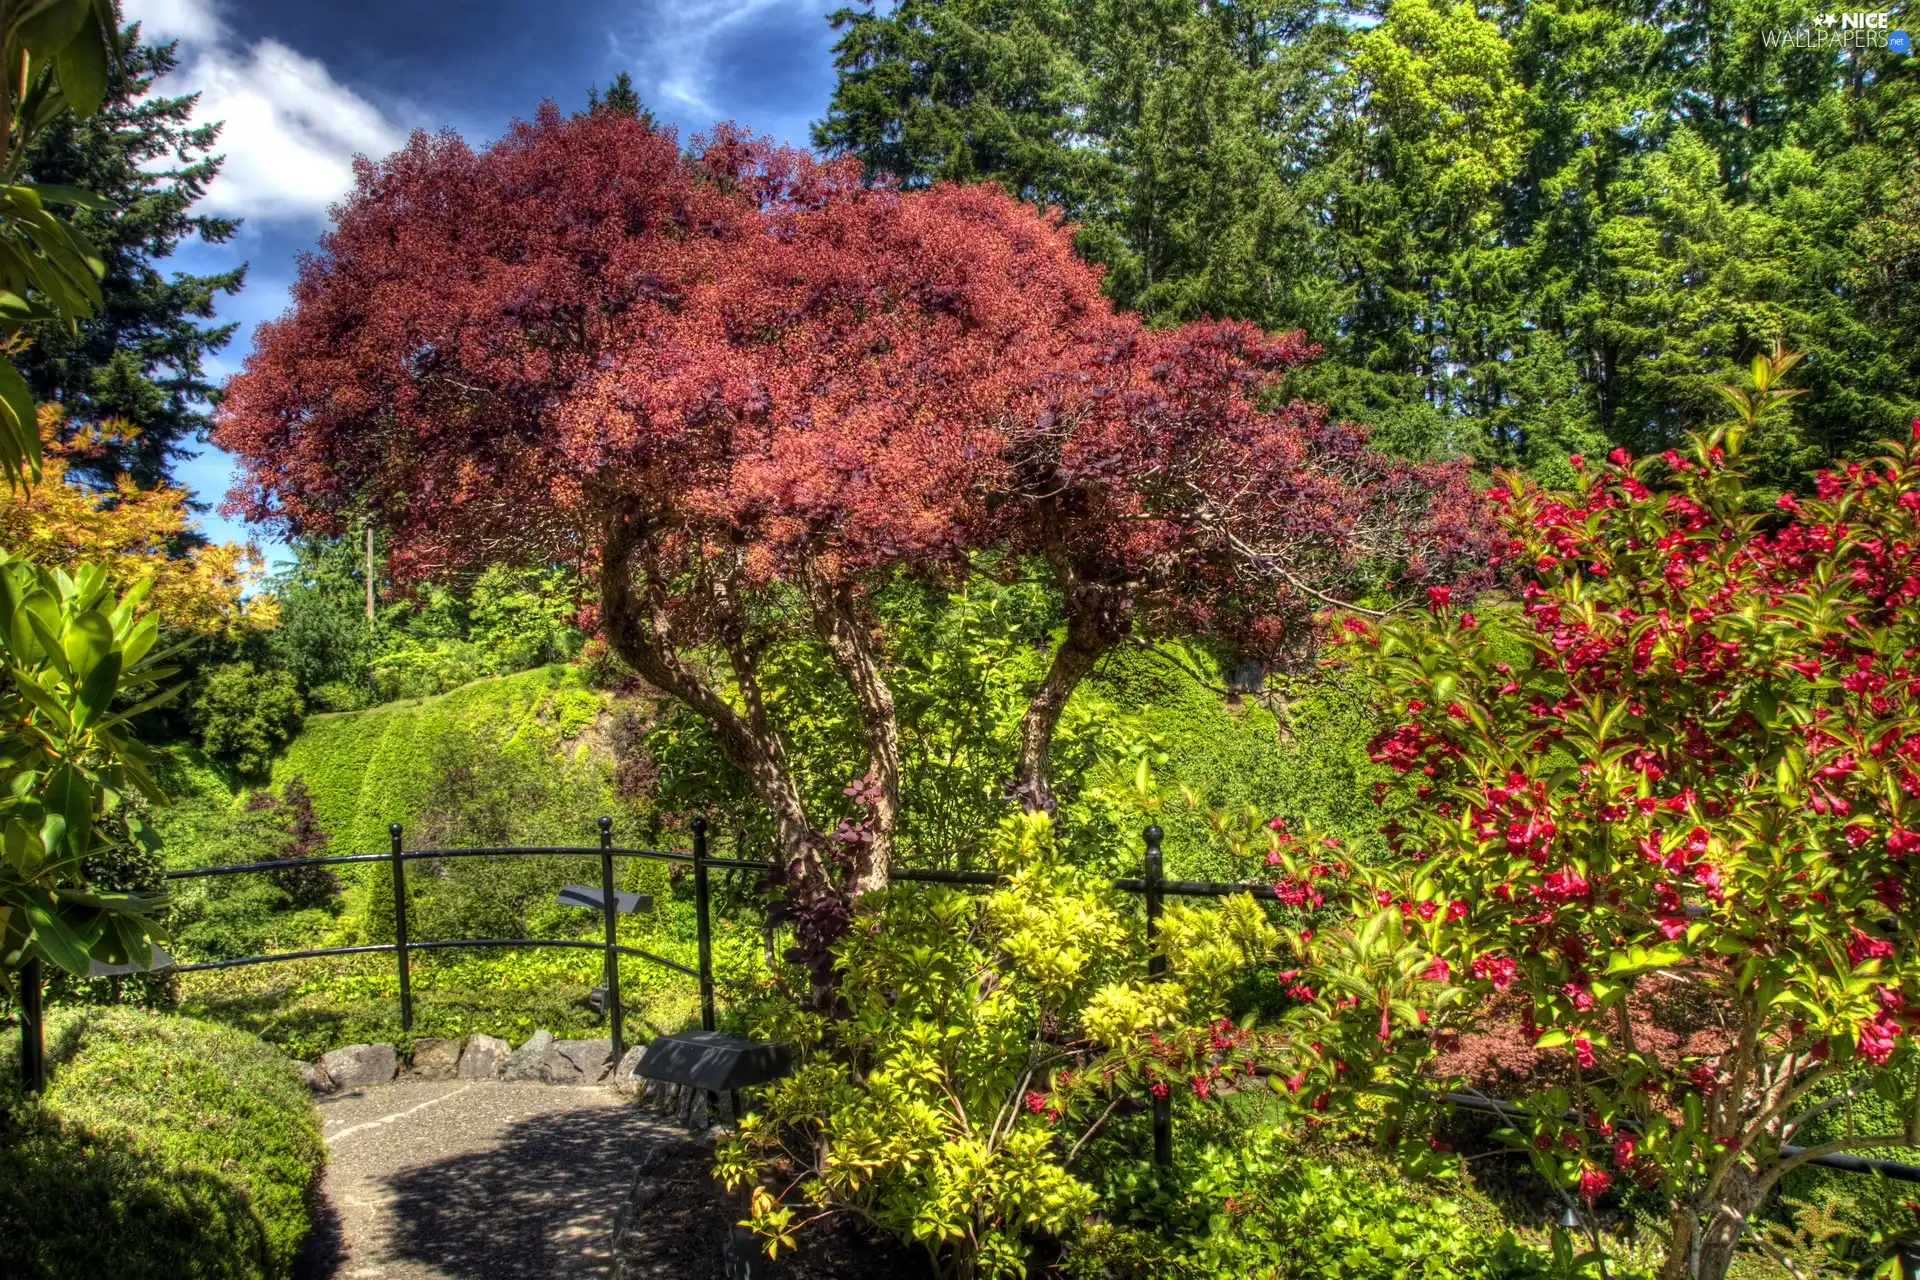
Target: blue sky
[303,87]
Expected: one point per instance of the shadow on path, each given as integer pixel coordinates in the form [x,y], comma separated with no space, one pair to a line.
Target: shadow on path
[541,1203]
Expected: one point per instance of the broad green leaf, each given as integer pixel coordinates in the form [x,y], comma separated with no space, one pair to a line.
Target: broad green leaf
[68,793]
[53,26]
[97,690]
[88,640]
[82,67]
[57,940]
[53,193]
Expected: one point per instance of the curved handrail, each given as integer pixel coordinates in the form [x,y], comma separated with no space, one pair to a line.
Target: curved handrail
[431,944]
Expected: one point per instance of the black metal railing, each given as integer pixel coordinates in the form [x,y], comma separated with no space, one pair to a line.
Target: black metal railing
[1152,885]
[404,944]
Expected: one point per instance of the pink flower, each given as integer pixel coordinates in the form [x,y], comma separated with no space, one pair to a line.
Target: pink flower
[1563,885]
[1439,597]
[1159,1089]
[1593,1183]
[1438,971]
[1578,993]
[1583,1052]
[1876,1038]
[1036,1102]
[1498,970]
[1622,1151]
[1456,909]
[1862,948]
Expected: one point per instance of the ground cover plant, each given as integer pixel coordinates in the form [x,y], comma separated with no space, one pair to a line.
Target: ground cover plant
[162,1147]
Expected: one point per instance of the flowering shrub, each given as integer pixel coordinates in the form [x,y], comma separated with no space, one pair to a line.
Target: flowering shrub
[1678,787]
[986,1039]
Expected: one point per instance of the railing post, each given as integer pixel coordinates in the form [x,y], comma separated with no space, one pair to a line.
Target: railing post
[703,901]
[33,1037]
[609,912]
[1157,967]
[400,929]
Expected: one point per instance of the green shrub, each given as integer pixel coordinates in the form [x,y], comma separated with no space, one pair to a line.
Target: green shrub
[370,768]
[244,716]
[1262,1206]
[986,1039]
[164,1147]
[253,913]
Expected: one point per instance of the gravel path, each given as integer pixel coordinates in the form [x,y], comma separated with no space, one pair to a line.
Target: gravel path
[473,1180]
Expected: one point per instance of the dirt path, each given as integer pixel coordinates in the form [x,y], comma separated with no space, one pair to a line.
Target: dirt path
[473,1180]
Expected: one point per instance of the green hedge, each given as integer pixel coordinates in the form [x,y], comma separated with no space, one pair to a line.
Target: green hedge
[367,769]
[164,1147]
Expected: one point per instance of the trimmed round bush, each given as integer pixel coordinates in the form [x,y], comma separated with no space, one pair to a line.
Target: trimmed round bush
[163,1147]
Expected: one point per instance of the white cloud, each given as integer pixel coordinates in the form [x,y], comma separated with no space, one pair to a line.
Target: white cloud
[679,37]
[196,20]
[290,130]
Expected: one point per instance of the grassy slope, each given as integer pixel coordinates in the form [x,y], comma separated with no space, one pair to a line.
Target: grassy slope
[367,769]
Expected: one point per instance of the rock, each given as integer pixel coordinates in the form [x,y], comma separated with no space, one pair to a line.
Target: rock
[626,1077]
[359,1065]
[484,1058]
[316,1077]
[435,1058]
[581,1061]
[529,1061]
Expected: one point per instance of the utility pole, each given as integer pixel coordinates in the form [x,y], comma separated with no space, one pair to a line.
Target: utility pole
[372,695]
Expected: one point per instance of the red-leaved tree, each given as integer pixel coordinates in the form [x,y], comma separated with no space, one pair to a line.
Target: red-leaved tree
[742,389]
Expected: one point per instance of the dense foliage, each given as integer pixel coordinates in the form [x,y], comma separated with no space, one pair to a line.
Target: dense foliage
[163,1147]
[1670,831]
[1520,230]
[140,359]
[1255,1202]
[942,1106]
[60,524]
[59,57]
[245,716]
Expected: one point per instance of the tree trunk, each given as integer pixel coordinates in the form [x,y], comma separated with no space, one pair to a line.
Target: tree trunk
[1099,616]
[638,633]
[836,617]
[1719,1226]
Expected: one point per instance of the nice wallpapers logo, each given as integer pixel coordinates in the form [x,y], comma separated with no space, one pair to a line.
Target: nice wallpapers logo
[1859,30]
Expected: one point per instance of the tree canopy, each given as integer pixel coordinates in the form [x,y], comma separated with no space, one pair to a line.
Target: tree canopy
[1519,231]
